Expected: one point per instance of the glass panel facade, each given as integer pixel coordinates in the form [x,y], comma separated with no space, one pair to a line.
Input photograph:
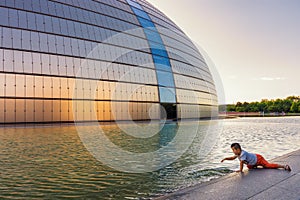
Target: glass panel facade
[162,63]
[141,13]
[50,73]
[146,23]
[165,79]
[133,3]
[167,95]
[159,55]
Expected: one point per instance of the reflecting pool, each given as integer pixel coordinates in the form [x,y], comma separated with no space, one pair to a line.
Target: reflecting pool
[57,162]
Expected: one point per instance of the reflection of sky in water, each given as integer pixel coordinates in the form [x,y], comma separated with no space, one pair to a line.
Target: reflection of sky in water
[51,162]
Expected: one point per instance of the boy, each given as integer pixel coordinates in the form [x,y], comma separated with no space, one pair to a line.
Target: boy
[252,160]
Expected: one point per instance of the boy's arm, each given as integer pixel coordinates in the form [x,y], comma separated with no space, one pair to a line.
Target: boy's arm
[229,158]
[241,166]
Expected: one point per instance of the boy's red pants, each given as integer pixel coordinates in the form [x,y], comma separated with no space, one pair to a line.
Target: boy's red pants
[262,162]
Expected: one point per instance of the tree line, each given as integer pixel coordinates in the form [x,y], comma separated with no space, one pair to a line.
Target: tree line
[290,104]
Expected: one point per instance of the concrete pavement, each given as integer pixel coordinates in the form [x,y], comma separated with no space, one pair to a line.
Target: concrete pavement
[252,184]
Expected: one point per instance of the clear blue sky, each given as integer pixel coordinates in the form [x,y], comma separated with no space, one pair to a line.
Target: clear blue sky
[255,44]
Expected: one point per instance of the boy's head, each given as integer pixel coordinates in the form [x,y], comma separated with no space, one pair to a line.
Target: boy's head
[236,148]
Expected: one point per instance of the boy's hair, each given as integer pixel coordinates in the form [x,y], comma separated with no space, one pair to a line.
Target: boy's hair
[236,146]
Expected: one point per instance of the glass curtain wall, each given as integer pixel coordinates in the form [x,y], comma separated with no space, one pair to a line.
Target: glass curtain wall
[44,44]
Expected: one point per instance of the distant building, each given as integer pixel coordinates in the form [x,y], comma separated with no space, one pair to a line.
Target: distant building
[103,60]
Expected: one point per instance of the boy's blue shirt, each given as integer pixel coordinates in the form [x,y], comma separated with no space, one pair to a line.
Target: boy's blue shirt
[248,158]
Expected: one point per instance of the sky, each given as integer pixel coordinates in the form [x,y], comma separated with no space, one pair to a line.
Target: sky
[254,44]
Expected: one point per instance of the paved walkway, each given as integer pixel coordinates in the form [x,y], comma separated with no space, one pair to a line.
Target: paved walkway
[252,184]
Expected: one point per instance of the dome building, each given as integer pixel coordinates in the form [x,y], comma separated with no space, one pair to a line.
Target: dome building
[98,60]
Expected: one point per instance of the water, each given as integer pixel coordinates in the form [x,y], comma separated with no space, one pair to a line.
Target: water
[52,162]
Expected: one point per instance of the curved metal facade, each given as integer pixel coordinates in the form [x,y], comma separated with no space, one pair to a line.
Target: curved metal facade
[98,60]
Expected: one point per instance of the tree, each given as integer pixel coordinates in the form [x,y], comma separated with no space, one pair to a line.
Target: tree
[293,98]
[231,108]
[246,107]
[278,105]
[263,106]
[289,104]
[295,107]
[254,107]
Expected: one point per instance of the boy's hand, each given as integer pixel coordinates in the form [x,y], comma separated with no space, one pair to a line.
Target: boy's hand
[222,160]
